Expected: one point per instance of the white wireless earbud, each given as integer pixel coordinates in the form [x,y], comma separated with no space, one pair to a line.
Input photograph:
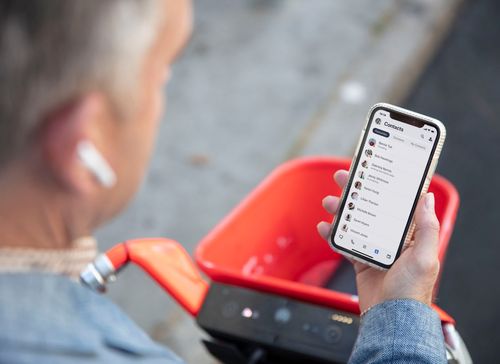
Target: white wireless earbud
[96,164]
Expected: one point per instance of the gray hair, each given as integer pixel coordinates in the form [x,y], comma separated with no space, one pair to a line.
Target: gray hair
[52,51]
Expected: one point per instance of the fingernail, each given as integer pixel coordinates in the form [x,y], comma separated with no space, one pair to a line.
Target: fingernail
[429,201]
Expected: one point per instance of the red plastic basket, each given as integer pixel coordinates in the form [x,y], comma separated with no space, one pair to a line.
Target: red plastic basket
[269,241]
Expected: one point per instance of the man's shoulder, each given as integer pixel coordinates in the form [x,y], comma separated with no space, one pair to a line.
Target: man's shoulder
[44,313]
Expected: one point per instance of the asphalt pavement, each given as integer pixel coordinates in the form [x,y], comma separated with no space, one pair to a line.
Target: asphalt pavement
[461,87]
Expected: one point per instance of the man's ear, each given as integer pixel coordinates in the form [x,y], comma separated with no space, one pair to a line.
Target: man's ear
[68,138]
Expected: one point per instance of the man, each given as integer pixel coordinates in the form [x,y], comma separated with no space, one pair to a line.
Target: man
[81,85]
[81,92]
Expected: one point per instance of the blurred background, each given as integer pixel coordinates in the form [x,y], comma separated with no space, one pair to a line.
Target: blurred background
[264,81]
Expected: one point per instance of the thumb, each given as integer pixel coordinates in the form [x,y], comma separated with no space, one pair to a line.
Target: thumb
[426,234]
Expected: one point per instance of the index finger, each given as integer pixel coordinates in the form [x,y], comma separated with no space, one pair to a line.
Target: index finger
[341,177]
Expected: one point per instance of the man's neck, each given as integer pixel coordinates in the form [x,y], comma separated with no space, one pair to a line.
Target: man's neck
[28,217]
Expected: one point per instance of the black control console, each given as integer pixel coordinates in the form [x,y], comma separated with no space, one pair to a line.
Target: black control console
[274,329]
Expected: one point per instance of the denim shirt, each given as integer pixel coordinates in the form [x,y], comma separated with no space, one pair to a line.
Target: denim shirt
[48,318]
[400,331]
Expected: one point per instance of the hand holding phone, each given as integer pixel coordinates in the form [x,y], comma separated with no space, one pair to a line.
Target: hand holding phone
[414,274]
[392,167]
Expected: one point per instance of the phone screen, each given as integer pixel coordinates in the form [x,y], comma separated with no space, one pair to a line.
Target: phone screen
[384,187]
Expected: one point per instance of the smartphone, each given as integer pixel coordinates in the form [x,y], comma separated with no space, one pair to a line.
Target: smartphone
[394,161]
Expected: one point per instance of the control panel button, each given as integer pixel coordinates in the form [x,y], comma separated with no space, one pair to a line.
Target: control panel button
[230,309]
[282,315]
[332,334]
